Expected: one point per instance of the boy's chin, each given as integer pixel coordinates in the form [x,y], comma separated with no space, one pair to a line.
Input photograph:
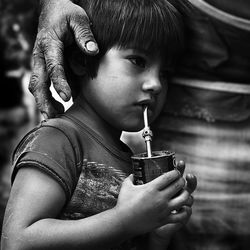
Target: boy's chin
[133,128]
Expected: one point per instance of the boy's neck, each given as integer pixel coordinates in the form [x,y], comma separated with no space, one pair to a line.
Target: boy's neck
[93,120]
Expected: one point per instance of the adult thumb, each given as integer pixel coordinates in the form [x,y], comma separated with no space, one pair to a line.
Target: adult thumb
[84,37]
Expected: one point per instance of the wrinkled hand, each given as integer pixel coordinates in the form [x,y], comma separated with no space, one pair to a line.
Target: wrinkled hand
[61,23]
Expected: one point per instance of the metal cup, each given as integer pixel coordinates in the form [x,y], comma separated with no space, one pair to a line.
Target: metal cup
[148,168]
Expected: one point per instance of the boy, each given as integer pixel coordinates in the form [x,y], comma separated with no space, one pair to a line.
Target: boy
[67,191]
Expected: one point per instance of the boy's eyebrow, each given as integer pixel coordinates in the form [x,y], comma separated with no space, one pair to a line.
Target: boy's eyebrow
[147,52]
[140,50]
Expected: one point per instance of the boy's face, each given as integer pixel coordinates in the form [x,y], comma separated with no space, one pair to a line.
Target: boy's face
[127,79]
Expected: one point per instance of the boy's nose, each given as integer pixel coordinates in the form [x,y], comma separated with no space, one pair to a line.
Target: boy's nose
[152,84]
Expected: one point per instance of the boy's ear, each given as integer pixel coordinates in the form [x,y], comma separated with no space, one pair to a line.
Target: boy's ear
[76,61]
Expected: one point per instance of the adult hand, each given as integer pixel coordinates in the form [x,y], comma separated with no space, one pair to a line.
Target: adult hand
[61,23]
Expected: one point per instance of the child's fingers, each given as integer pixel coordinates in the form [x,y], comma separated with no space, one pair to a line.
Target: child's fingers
[129,180]
[191,183]
[181,166]
[184,199]
[173,189]
[164,180]
[190,201]
[180,216]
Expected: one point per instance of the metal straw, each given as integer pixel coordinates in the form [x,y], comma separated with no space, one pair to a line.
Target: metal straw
[147,133]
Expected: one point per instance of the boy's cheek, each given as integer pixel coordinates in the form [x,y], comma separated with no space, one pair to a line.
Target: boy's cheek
[162,99]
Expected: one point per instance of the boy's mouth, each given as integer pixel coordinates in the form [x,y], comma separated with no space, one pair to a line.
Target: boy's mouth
[147,102]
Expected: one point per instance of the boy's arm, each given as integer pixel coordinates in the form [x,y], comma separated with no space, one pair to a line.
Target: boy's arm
[61,23]
[35,201]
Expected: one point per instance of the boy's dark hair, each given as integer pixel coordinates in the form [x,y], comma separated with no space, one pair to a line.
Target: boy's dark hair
[152,25]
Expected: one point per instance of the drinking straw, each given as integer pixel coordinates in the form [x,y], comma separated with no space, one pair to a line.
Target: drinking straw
[147,133]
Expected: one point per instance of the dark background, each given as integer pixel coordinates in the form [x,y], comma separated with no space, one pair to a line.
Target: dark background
[18,26]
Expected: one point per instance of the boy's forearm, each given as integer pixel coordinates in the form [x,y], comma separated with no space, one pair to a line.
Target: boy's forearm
[95,232]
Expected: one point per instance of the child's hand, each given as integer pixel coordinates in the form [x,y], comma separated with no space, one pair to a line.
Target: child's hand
[162,234]
[145,207]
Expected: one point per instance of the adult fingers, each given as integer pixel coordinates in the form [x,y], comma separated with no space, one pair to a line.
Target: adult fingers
[80,25]
[39,86]
[52,49]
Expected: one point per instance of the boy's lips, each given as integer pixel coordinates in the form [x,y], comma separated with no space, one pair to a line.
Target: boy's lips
[147,102]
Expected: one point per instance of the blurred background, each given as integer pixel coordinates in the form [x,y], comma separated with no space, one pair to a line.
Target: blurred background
[18,113]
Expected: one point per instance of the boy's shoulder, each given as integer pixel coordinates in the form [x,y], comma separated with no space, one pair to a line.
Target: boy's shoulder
[53,147]
[60,123]
[50,135]
[52,129]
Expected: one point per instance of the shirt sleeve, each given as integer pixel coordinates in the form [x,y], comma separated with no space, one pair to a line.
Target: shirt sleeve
[50,150]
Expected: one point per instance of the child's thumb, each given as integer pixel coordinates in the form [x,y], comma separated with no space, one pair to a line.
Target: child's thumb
[129,179]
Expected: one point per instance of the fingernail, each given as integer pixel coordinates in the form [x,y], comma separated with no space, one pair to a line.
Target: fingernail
[179,173]
[181,163]
[91,46]
[63,96]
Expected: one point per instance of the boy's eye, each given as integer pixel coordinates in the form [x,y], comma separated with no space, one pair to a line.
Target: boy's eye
[138,61]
